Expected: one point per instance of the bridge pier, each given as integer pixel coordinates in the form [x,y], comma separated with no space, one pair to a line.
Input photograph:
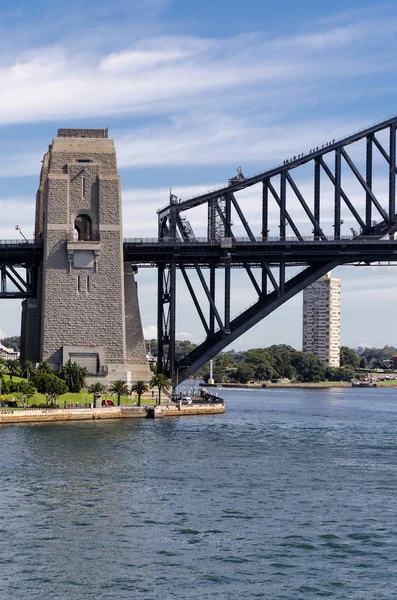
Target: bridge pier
[86,308]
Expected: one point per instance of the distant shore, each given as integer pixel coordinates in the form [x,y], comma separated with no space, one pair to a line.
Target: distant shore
[318,384]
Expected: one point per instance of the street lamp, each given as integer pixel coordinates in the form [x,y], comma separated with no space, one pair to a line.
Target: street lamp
[177,374]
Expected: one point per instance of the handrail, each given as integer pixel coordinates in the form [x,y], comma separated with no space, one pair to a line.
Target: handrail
[258,240]
[20,243]
[237,240]
[290,163]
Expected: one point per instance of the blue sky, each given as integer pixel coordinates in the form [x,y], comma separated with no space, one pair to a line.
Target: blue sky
[190,91]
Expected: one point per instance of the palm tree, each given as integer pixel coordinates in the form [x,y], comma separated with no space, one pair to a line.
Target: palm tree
[3,371]
[96,388]
[120,388]
[14,368]
[139,388]
[161,382]
[29,368]
[44,367]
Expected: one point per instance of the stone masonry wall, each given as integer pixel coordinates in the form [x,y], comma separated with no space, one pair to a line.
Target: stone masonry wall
[83,306]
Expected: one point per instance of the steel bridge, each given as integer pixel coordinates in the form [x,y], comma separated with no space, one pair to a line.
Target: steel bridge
[333,205]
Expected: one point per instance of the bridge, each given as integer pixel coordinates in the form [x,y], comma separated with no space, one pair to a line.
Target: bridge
[334,226]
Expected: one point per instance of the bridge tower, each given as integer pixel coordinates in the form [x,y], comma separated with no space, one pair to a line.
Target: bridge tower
[86,308]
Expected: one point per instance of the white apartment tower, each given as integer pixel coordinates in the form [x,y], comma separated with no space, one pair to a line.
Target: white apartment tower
[321,319]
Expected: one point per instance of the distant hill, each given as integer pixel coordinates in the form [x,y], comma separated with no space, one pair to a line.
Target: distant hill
[12,342]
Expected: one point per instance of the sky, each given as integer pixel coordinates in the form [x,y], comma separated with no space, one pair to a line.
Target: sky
[190,91]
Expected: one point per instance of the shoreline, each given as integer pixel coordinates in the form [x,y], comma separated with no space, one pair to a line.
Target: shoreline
[43,415]
[299,385]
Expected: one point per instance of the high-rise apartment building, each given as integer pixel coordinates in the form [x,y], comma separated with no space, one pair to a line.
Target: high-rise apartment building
[321,320]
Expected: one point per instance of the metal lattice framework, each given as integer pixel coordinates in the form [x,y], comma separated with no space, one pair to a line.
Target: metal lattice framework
[18,268]
[316,241]
[330,206]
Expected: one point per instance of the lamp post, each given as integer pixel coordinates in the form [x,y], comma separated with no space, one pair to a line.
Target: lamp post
[177,374]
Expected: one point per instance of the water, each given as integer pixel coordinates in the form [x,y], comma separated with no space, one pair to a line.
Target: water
[289,495]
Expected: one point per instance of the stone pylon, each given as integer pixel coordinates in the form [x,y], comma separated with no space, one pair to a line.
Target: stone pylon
[87,305]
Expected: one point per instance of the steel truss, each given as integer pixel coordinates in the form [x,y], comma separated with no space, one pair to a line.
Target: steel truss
[372,220]
[21,287]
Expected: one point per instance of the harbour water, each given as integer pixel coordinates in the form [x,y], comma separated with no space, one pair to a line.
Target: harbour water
[291,494]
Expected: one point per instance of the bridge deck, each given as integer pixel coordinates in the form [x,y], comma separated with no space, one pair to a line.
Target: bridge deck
[147,252]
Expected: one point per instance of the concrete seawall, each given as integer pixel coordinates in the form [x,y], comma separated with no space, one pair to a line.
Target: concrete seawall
[112,412]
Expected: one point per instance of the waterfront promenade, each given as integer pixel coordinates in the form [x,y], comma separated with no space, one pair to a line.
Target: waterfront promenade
[37,415]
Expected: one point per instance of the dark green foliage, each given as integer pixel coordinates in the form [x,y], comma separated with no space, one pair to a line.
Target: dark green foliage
[244,373]
[161,382]
[139,388]
[345,373]
[74,376]
[283,361]
[222,367]
[308,367]
[50,385]
[5,387]
[120,388]
[22,391]
[348,356]
[376,356]
[28,369]
[3,371]
[44,367]
[96,388]
[363,363]
[262,362]
[13,342]
[14,368]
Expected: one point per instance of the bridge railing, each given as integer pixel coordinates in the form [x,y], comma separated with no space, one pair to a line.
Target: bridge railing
[16,242]
[247,240]
[238,240]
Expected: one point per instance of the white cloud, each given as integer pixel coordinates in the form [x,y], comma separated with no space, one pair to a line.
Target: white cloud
[218,139]
[168,73]
[150,332]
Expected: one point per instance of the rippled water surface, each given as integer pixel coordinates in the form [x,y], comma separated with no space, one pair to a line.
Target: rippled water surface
[291,494]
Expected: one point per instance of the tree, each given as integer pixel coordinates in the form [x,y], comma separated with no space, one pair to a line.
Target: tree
[244,373]
[345,373]
[282,356]
[14,368]
[96,388]
[44,367]
[50,385]
[3,371]
[262,363]
[13,342]
[29,369]
[348,356]
[74,376]
[222,364]
[120,388]
[23,391]
[139,388]
[363,363]
[308,367]
[161,382]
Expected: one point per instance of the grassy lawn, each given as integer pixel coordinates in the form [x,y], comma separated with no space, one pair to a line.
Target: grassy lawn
[82,398]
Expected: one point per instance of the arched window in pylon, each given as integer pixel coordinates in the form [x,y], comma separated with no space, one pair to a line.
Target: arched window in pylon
[83,228]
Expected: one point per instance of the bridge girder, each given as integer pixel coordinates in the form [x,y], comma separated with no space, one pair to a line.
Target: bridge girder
[315,241]
[372,216]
